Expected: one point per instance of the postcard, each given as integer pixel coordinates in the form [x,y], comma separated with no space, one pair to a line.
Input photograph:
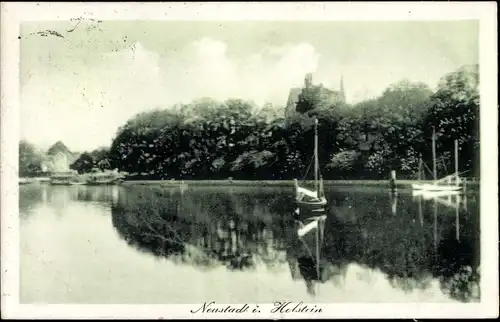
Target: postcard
[249,160]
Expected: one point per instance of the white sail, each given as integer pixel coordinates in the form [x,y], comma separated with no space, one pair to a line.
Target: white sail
[307,192]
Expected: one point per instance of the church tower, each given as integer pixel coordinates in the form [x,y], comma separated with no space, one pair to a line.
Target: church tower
[342,91]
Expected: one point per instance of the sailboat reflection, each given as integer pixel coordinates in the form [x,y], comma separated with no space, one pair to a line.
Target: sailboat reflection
[451,200]
[393,196]
[303,253]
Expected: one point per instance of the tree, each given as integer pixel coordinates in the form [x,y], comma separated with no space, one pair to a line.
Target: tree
[30,159]
[252,162]
[454,114]
[310,98]
[207,139]
[101,159]
[343,162]
[84,164]
[405,101]
[387,130]
[268,113]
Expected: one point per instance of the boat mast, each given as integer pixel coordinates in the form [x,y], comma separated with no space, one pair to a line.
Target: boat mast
[316,160]
[420,168]
[434,172]
[456,162]
[457,219]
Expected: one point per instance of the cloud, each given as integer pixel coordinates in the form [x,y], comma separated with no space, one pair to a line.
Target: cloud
[84,105]
[206,68]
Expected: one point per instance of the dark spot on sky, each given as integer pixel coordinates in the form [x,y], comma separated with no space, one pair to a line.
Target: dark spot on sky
[18,37]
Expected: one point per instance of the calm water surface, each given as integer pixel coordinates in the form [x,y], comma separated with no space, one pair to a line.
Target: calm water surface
[152,245]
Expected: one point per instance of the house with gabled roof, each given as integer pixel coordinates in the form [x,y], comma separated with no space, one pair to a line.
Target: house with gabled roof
[58,158]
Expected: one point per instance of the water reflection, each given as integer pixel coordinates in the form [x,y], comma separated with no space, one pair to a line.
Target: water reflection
[237,230]
[457,257]
[205,229]
[414,242]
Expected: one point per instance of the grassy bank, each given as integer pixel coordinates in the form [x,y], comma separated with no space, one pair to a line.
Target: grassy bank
[278,183]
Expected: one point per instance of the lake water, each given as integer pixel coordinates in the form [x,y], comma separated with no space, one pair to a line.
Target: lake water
[153,245]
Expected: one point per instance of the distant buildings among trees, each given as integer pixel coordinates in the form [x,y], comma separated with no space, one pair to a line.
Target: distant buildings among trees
[56,159]
[301,100]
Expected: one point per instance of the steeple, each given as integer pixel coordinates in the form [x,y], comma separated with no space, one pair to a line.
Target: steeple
[342,91]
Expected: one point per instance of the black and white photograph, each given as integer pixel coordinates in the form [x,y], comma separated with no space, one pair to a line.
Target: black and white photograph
[243,167]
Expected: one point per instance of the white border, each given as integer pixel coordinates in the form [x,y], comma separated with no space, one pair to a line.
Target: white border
[14,13]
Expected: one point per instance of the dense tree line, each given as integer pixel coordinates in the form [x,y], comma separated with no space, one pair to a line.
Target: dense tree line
[216,140]
[97,160]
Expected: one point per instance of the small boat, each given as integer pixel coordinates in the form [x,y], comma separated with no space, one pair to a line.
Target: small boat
[105,178]
[435,187]
[77,183]
[445,184]
[313,198]
[62,179]
[67,179]
[26,180]
[102,181]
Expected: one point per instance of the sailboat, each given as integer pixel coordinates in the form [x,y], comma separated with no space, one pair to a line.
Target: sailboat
[437,186]
[314,198]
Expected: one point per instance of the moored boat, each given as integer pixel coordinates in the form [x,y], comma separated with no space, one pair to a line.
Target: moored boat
[105,178]
[312,198]
[427,195]
[77,183]
[26,180]
[62,179]
[105,181]
[435,187]
[450,183]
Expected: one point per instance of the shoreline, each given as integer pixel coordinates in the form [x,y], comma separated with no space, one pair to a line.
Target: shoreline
[401,184]
[280,183]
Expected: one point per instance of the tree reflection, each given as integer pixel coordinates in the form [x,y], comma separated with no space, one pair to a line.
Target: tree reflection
[30,196]
[401,244]
[239,230]
[457,266]
[204,229]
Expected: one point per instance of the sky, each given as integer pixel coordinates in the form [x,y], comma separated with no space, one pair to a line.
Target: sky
[81,88]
